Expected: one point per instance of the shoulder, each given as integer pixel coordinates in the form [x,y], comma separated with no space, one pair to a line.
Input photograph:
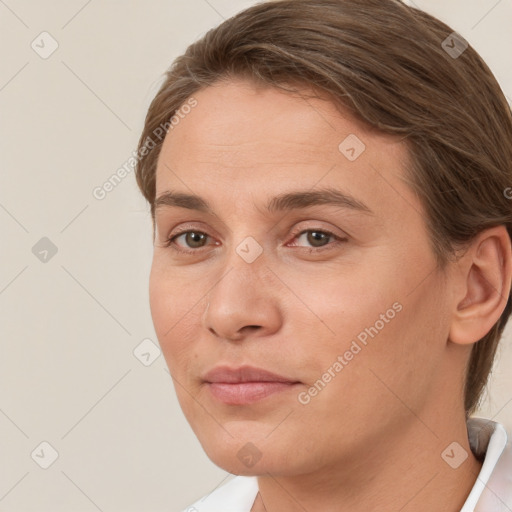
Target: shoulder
[237,495]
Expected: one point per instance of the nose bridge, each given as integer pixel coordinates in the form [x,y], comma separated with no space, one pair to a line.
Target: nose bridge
[247,248]
[245,265]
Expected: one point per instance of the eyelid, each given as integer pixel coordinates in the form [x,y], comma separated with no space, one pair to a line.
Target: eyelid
[300,230]
[190,226]
[184,228]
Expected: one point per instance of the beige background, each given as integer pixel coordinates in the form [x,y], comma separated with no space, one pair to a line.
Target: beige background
[70,324]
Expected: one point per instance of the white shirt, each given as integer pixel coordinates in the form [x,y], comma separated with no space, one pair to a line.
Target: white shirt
[492,491]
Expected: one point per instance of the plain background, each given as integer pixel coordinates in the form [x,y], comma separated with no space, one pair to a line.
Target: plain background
[70,324]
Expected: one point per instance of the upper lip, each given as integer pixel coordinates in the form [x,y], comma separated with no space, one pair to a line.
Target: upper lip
[243,374]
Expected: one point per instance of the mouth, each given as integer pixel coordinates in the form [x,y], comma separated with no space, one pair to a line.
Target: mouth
[245,385]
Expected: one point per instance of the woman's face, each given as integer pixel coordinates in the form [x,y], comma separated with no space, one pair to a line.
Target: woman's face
[341,299]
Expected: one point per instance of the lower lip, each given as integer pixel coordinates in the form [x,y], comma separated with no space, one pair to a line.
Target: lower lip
[246,392]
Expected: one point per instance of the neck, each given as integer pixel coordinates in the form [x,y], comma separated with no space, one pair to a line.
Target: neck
[405,473]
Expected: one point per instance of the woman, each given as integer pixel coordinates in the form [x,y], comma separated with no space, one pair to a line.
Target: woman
[332,260]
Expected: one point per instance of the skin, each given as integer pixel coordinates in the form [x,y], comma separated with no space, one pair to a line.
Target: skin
[372,438]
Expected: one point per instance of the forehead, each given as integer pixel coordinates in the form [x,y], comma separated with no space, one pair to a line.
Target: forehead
[242,114]
[244,138]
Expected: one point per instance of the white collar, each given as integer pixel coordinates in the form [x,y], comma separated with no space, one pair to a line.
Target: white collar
[492,491]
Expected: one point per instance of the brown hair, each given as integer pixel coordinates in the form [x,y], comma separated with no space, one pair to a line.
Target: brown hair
[389,65]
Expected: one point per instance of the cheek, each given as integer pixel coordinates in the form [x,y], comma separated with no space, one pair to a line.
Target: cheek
[171,296]
[171,312]
[369,315]
[339,303]
[160,302]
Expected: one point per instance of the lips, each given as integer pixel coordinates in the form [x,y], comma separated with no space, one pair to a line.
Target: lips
[243,374]
[245,385]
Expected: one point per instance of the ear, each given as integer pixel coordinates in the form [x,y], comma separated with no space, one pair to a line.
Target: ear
[483,286]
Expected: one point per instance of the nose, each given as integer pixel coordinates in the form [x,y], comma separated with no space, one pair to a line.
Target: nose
[243,303]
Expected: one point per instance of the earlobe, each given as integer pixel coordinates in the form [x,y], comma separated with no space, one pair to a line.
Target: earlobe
[486,273]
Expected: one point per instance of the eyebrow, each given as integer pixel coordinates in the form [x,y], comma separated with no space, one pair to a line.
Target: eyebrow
[283,202]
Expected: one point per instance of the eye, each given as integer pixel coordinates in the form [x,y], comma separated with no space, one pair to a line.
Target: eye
[318,238]
[193,239]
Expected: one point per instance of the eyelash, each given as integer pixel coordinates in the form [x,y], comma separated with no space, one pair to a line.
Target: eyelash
[169,243]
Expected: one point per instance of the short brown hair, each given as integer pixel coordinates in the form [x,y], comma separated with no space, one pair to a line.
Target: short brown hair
[388,64]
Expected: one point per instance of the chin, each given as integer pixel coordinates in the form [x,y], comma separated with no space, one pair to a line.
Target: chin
[232,464]
[251,456]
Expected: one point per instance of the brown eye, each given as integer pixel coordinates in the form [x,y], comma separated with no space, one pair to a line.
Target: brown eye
[193,240]
[316,238]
